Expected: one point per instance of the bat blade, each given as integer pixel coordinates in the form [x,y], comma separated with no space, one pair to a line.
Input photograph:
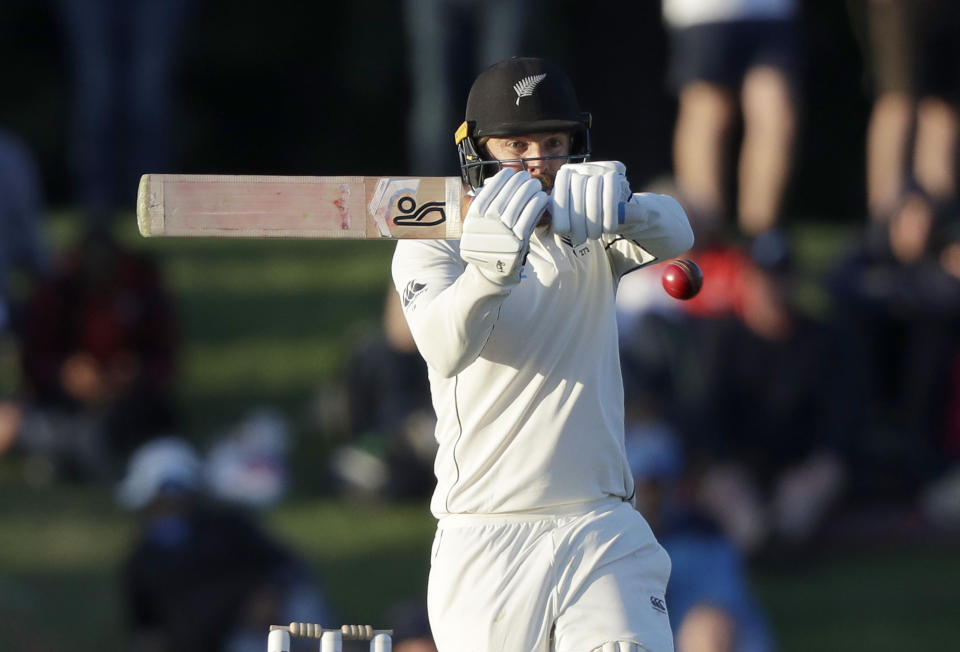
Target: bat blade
[256,206]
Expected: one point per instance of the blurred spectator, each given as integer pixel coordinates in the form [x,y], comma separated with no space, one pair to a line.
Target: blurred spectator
[897,291]
[248,463]
[123,54]
[769,431]
[411,627]
[722,258]
[99,358]
[723,263]
[724,56]
[658,352]
[659,335]
[22,244]
[451,41]
[23,248]
[912,53]
[200,577]
[758,397]
[390,415]
[708,598]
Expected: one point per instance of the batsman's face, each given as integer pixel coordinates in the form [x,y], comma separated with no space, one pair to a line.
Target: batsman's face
[532,149]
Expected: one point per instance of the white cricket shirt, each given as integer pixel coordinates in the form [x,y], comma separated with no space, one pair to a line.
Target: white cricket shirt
[526,382]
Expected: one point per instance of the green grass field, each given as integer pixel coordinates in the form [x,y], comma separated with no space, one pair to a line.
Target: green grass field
[267,323]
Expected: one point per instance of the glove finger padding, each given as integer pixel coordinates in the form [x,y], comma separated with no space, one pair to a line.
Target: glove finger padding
[499,207]
[578,218]
[489,192]
[614,175]
[593,207]
[532,212]
[587,197]
[497,227]
[602,167]
[560,208]
[517,209]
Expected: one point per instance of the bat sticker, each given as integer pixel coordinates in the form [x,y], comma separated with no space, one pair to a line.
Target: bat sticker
[417,216]
[384,197]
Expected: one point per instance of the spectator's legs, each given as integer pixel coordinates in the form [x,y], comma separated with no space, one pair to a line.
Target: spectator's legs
[935,151]
[91,34]
[154,29]
[769,127]
[11,418]
[891,48]
[21,239]
[888,137]
[701,139]
[732,496]
[910,228]
[706,628]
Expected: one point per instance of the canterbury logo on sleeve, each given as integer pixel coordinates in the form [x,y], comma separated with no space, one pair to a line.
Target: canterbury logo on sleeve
[413,290]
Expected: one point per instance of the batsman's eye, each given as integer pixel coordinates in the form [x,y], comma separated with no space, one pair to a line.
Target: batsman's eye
[557,145]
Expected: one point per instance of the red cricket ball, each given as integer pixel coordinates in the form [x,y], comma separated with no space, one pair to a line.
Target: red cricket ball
[682,278]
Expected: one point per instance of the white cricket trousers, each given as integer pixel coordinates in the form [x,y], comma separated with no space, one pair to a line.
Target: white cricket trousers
[557,583]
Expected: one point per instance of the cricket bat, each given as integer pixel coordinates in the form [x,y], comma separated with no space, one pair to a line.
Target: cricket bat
[258,206]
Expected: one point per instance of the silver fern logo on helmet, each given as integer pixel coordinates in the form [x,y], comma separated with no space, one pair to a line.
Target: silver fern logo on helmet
[526,86]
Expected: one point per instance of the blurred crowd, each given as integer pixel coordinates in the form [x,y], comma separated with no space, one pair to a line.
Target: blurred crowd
[808,385]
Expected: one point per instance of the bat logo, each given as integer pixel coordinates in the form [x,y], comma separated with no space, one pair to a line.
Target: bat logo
[418,216]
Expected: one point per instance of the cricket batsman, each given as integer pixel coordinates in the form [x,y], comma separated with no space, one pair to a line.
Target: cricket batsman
[538,546]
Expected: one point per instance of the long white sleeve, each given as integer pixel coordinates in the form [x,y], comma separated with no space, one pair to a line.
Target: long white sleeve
[450,306]
[525,383]
[663,232]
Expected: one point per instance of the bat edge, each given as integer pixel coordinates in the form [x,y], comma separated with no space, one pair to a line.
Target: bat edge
[150,206]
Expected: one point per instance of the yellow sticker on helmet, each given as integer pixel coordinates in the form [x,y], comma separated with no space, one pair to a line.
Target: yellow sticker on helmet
[462,132]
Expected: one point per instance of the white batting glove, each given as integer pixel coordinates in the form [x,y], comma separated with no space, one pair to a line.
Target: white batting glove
[586,199]
[497,228]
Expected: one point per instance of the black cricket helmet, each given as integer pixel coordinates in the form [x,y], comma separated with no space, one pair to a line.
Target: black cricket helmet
[519,96]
